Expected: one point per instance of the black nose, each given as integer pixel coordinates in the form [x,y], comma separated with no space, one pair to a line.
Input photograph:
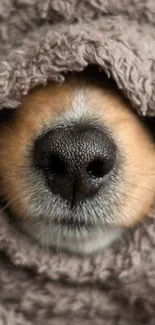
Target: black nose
[75,160]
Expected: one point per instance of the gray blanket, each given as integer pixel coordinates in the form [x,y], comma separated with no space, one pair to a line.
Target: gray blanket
[42,40]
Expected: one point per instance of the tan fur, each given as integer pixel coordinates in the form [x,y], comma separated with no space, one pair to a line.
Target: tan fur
[40,108]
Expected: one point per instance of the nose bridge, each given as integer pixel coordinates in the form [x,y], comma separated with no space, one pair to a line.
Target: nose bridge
[71,149]
[77,146]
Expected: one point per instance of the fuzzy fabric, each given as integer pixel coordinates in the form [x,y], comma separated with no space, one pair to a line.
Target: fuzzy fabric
[42,40]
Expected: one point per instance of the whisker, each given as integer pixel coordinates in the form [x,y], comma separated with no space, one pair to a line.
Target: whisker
[135,198]
[142,187]
[10,202]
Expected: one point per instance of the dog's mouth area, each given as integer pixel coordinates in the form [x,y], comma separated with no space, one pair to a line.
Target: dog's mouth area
[73,224]
[49,211]
[72,220]
[69,222]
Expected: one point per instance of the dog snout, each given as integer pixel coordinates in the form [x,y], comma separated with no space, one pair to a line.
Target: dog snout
[75,160]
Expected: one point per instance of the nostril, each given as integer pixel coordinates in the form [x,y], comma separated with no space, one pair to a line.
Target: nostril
[75,160]
[98,168]
[57,165]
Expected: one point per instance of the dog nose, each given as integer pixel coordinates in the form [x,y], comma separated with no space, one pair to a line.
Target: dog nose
[75,160]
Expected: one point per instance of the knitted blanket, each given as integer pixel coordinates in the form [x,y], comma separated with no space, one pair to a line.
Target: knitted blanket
[42,41]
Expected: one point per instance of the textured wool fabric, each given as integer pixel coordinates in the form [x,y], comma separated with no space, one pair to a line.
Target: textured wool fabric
[42,40]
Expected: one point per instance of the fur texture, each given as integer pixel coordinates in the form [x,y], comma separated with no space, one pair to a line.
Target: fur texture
[128,190]
[41,41]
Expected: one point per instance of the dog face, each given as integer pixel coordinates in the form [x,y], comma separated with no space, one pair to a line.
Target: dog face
[77,165]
